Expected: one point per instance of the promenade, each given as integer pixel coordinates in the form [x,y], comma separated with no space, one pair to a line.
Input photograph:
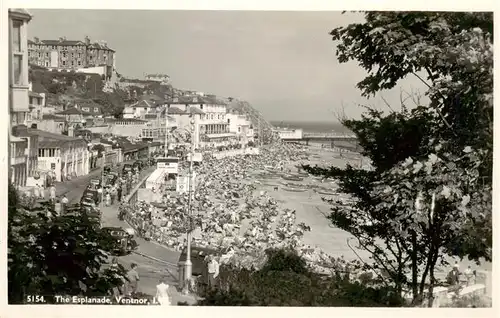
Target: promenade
[153,260]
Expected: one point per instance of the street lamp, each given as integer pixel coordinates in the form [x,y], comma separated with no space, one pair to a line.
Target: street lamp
[188,264]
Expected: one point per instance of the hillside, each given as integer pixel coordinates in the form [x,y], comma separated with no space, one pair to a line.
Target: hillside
[260,124]
[64,87]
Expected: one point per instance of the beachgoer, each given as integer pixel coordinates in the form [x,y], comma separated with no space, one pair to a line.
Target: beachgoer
[213,271]
[453,277]
[108,199]
[118,290]
[162,293]
[42,192]
[133,280]
[36,191]
[469,276]
[64,203]
[52,193]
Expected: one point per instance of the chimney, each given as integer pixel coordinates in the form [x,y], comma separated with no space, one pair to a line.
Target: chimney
[71,131]
[87,40]
[37,39]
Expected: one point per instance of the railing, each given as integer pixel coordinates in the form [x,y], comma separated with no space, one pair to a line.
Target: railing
[132,196]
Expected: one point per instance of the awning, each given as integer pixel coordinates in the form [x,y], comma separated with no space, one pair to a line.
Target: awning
[213,136]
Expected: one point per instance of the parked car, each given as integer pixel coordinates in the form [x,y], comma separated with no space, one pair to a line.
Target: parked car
[107,169]
[91,194]
[121,241]
[126,168]
[95,182]
[138,164]
[87,209]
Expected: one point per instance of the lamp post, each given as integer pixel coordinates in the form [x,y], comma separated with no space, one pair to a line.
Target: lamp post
[188,264]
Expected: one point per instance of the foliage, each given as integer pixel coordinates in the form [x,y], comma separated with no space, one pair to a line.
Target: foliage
[55,254]
[474,301]
[81,85]
[285,280]
[430,192]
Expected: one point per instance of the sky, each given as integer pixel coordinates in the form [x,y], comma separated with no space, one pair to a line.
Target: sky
[283,63]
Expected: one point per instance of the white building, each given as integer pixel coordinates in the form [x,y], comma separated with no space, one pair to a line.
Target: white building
[20,147]
[241,126]
[211,125]
[286,134]
[62,155]
[161,78]
[141,108]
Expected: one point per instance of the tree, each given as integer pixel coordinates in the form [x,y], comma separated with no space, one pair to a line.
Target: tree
[286,280]
[439,156]
[55,255]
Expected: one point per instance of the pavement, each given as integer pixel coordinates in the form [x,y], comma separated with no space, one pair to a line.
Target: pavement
[153,260]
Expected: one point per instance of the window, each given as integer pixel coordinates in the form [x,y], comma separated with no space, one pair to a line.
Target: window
[201,106]
[96,109]
[64,63]
[228,121]
[79,63]
[47,54]
[64,54]
[18,68]
[239,129]
[16,35]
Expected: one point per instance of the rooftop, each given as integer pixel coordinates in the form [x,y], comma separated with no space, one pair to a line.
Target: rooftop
[178,111]
[211,99]
[64,42]
[52,117]
[38,88]
[132,120]
[23,13]
[73,111]
[34,94]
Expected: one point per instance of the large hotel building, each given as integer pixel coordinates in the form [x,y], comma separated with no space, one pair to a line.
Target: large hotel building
[71,54]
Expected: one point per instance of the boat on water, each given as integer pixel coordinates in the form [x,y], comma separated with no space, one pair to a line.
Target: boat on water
[293,178]
[325,192]
[294,189]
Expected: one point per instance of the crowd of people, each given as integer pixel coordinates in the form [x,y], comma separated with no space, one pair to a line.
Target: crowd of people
[231,210]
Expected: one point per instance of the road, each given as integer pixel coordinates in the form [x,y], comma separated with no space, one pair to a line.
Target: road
[153,260]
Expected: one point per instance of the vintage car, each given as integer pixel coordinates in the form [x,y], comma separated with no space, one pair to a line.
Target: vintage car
[91,194]
[121,241]
[107,169]
[126,168]
[138,164]
[88,210]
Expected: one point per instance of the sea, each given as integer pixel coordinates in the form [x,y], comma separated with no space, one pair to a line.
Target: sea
[312,127]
